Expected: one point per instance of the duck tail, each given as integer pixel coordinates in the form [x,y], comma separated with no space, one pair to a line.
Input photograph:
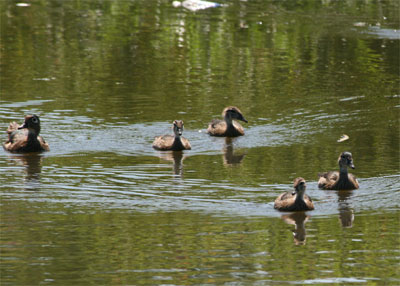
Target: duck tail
[12,127]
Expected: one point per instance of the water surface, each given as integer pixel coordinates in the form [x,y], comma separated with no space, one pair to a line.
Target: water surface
[105,77]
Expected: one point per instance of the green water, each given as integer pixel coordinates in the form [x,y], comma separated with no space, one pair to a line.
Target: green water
[105,77]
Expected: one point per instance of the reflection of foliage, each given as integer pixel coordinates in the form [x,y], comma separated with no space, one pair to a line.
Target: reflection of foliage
[148,50]
[82,246]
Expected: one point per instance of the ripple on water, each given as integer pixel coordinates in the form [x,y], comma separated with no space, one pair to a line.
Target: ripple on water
[150,187]
[131,186]
[136,139]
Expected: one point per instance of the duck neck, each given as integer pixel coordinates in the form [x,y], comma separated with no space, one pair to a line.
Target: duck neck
[343,171]
[32,135]
[228,120]
[299,196]
[343,182]
[177,141]
[33,143]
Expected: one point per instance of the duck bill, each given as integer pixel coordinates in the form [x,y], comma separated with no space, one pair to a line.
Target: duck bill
[244,119]
[22,126]
[351,165]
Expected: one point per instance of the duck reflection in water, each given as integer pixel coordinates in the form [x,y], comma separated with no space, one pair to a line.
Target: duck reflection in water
[298,219]
[230,158]
[346,213]
[176,157]
[33,167]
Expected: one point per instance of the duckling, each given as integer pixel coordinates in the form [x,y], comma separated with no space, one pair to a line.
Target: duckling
[295,201]
[341,180]
[25,138]
[170,142]
[227,127]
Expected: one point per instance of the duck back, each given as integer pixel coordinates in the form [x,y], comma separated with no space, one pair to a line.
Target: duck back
[24,141]
[337,181]
[290,202]
[169,142]
[221,128]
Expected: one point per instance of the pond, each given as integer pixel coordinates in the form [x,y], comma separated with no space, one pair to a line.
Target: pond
[102,207]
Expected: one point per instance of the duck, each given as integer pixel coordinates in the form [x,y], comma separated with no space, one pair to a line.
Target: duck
[341,180]
[174,142]
[25,138]
[227,127]
[295,201]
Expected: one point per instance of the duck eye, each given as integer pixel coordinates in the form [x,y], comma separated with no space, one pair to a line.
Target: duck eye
[34,120]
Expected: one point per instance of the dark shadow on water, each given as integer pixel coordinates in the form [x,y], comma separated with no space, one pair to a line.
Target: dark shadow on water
[346,212]
[298,219]
[230,158]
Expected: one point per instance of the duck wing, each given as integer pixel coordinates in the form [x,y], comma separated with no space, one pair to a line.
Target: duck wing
[186,143]
[309,202]
[284,201]
[43,144]
[12,127]
[163,142]
[327,178]
[217,127]
[17,140]
[353,180]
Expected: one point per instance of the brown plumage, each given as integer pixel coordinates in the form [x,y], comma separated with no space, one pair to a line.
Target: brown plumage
[227,127]
[295,201]
[172,142]
[341,180]
[25,138]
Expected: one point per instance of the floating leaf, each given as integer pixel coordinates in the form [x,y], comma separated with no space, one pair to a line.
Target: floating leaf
[194,5]
[359,24]
[344,137]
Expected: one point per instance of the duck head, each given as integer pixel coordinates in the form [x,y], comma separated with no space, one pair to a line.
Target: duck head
[299,185]
[178,127]
[232,112]
[346,160]
[31,122]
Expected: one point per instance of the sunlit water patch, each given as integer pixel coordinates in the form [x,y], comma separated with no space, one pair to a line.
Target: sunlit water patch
[383,33]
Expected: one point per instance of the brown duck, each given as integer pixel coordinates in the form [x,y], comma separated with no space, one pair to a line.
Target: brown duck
[295,201]
[341,180]
[174,142]
[25,138]
[227,127]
